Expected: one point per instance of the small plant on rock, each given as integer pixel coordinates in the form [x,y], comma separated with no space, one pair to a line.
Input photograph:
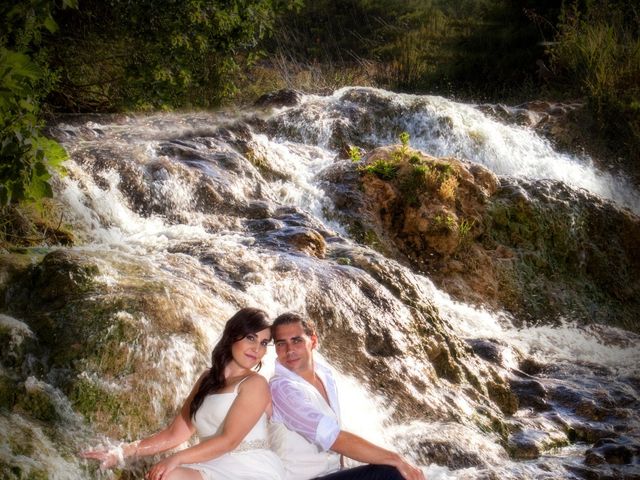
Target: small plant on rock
[444,222]
[383,169]
[404,148]
[355,153]
[448,188]
[464,229]
[415,160]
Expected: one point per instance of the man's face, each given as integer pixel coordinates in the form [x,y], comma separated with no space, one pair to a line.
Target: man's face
[295,348]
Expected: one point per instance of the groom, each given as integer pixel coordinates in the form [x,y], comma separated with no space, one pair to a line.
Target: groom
[306,431]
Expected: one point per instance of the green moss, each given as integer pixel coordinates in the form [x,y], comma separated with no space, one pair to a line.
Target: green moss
[8,392]
[413,184]
[38,405]
[94,402]
[10,471]
[113,354]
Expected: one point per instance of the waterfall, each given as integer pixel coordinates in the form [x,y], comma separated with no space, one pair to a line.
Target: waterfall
[200,209]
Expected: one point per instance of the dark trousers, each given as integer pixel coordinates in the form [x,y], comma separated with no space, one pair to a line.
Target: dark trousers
[365,472]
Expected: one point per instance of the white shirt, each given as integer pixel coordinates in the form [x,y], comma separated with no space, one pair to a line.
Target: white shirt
[304,426]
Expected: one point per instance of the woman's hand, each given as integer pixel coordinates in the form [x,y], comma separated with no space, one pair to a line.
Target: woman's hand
[162,469]
[107,456]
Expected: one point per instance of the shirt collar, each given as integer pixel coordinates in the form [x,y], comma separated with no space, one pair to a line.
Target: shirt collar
[325,374]
[320,368]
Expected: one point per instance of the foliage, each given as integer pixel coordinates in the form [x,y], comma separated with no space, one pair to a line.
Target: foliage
[26,155]
[448,188]
[413,183]
[355,154]
[464,229]
[383,169]
[444,222]
[597,55]
[150,55]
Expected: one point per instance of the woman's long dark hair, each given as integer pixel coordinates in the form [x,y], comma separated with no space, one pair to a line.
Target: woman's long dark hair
[243,323]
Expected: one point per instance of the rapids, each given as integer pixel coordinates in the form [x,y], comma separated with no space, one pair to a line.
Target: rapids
[208,207]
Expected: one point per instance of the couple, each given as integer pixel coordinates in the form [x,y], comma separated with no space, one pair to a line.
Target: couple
[229,408]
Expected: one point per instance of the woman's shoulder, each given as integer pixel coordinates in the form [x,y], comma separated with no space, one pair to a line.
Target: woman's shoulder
[254,382]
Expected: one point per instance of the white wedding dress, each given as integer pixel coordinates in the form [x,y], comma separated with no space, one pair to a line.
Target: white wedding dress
[251,460]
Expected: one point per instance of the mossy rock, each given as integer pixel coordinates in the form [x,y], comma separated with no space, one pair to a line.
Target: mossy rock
[8,392]
[501,395]
[37,404]
[21,472]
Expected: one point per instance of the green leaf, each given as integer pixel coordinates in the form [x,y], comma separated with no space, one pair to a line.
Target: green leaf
[55,153]
[50,24]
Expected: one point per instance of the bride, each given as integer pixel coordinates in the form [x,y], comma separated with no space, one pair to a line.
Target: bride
[228,408]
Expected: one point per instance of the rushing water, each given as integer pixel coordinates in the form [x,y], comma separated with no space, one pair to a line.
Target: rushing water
[181,195]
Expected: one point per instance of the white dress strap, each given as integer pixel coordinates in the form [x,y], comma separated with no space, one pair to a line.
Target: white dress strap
[235,389]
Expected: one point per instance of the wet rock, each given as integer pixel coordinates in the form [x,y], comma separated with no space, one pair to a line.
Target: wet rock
[530,393]
[526,445]
[530,366]
[589,409]
[616,451]
[381,344]
[281,98]
[259,210]
[60,275]
[17,340]
[264,225]
[304,239]
[590,431]
[536,249]
[449,454]
[502,395]
[488,349]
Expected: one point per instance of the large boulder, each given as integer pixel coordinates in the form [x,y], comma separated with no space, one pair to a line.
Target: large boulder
[539,249]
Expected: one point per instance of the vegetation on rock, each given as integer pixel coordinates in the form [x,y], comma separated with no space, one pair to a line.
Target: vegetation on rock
[536,249]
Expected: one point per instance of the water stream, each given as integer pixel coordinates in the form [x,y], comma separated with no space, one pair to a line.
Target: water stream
[181,196]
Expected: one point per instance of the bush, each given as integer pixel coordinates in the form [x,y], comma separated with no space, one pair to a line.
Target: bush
[597,55]
[26,156]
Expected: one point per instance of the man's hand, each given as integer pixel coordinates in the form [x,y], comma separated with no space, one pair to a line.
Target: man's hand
[410,472]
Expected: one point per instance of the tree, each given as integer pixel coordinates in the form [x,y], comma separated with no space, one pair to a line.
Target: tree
[157,54]
[26,156]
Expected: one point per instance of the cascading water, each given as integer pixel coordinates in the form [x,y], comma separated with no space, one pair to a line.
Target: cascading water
[211,211]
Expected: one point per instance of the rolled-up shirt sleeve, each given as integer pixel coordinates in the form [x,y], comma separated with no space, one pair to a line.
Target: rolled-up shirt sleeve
[293,407]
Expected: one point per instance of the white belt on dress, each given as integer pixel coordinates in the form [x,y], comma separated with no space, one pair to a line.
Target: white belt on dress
[251,445]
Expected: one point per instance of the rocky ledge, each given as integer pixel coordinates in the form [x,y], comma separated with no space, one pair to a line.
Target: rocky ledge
[538,249]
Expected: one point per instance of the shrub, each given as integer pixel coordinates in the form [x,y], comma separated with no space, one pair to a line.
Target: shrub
[448,189]
[444,222]
[355,154]
[26,156]
[383,169]
[597,54]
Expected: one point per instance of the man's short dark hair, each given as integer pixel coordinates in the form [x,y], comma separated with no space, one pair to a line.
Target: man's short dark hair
[288,318]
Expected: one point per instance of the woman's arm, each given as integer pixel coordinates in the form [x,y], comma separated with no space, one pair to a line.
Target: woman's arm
[179,431]
[251,402]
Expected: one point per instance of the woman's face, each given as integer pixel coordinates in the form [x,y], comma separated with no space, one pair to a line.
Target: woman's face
[248,351]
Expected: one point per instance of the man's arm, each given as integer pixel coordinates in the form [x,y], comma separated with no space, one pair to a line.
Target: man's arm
[361,450]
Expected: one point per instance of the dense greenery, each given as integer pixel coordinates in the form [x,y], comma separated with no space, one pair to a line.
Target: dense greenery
[597,55]
[26,156]
[157,54]
[119,55]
